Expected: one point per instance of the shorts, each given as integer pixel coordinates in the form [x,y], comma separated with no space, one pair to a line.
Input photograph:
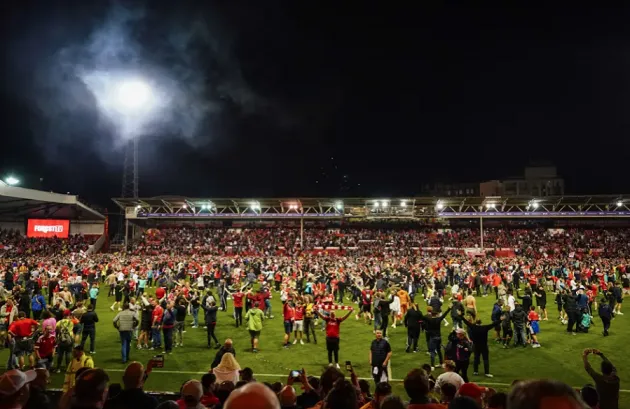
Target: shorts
[179,326]
[254,334]
[534,327]
[619,300]
[497,327]
[288,327]
[542,305]
[298,326]
[24,346]
[365,308]
[145,326]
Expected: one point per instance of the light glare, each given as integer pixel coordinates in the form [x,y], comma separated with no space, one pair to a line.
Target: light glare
[12,181]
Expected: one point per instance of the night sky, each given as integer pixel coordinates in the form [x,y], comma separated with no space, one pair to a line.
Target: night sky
[311,98]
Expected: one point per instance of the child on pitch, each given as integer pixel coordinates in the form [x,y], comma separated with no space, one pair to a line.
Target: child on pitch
[533,324]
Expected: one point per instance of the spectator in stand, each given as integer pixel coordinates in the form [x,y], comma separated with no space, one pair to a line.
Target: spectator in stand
[228,369]
[208,399]
[133,396]
[498,401]
[416,385]
[253,396]
[288,397]
[475,392]
[447,393]
[90,391]
[607,383]
[38,399]
[227,347]
[15,388]
[381,391]
[544,394]
[590,396]
[449,376]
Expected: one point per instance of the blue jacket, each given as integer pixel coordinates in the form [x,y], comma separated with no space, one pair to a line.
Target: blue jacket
[38,303]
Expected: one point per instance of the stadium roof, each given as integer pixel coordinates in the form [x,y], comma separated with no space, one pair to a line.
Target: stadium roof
[182,207]
[21,203]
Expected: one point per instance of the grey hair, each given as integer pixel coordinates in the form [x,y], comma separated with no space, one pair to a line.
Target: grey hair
[529,394]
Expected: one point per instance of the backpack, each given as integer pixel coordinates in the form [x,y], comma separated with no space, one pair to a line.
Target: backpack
[65,338]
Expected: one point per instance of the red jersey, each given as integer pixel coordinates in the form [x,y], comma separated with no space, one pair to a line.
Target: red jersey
[23,327]
[157,314]
[45,346]
[332,327]
[533,316]
[238,299]
[299,313]
[288,312]
[366,297]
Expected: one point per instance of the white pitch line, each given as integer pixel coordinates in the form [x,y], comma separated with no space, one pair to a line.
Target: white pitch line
[273,375]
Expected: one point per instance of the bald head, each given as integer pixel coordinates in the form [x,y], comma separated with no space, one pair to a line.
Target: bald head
[133,376]
[254,395]
[287,396]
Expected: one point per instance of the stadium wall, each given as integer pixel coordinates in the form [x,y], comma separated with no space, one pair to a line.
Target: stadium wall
[87,229]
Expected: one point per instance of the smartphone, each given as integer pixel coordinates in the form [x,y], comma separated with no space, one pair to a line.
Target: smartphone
[158,361]
[296,374]
[348,366]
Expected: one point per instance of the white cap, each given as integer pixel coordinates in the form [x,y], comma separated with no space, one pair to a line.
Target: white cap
[14,380]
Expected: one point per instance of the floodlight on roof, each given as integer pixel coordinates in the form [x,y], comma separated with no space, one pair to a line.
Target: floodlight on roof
[12,180]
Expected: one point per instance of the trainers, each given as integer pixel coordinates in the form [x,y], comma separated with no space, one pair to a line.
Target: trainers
[301,342]
[489,375]
[337,366]
[111,308]
[432,368]
[92,352]
[294,341]
[620,313]
[475,373]
[415,351]
[330,365]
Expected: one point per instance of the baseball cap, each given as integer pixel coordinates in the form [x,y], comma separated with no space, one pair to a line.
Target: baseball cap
[14,380]
[192,389]
[472,390]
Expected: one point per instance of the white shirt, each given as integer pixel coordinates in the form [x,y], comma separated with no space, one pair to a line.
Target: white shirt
[511,302]
[448,377]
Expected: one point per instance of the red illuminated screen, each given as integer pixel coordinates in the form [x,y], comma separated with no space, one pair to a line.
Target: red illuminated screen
[48,228]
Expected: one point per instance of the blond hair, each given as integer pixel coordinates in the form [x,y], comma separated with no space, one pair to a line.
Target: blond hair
[228,363]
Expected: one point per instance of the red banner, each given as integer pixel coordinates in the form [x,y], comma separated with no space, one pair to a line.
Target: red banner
[48,228]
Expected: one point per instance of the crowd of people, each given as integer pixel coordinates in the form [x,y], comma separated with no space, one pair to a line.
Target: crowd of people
[48,308]
[531,242]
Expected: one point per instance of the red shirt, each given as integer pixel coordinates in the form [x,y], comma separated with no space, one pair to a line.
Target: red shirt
[157,314]
[533,316]
[288,312]
[23,327]
[332,327]
[160,292]
[238,299]
[299,313]
[45,346]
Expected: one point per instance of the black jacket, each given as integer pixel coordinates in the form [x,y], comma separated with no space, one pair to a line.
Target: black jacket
[413,319]
[479,333]
[519,316]
[434,324]
[89,320]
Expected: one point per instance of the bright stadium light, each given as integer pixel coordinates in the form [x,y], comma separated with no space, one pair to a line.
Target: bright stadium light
[619,203]
[138,207]
[376,204]
[255,206]
[439,206]
[403,203]
[385,203]
[12,181]
[184,206]
[491,205]
[535,205]
[339,205]
[133,94]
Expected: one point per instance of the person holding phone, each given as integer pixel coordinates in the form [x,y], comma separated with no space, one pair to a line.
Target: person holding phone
[380,355]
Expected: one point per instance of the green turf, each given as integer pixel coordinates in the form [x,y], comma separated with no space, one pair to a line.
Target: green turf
[560,356]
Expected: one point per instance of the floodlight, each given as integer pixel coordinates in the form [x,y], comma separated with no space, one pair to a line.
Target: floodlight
[491,205]
[535,205]
[184,206]
[133,94]
[339,205]
[385,203]
[619,203]
[376,204]
[138,207]
[403,203]
[439,206]
[12,181]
